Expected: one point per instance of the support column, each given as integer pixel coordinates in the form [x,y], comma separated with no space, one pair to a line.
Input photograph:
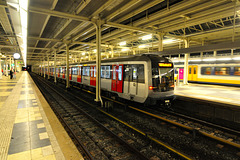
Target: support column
[48,72]
[231,52]
[134,51]
[44,70]
[160,42]
[98,61]
[55,74]
[185,78]
[214,53]
[112,52]
[67,68]
[6,67]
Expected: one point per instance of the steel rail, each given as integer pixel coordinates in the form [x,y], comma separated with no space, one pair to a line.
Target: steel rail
[67,127]
[139,154]
[236,145]
[137,130]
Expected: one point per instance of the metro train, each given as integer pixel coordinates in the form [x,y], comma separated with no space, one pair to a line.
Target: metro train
[145,78]
[220,74]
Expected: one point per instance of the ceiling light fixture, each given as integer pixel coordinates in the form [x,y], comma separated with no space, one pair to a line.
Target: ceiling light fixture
[146,37]
[123,43]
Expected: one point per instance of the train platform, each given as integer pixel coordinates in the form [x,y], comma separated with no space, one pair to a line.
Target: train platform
[29,129]
[215,93]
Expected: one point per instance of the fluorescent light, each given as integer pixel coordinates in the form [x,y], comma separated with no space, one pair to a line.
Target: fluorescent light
[125,49]
[236,58]
[195,60]
[168,41]
[83,53]
[16,55]
[95,50]
[143,46]
[146,37]
[209,59]
[224,59]
[123,43]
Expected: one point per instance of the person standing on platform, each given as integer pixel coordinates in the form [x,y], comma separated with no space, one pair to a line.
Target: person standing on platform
[11,74]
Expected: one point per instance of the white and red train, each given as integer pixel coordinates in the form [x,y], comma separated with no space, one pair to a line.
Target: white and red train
[145,78]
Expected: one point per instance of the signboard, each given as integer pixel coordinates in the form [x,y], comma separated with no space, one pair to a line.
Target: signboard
[165,65]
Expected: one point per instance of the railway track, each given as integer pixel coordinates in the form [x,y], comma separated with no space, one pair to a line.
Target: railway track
[149,128]
[94,139]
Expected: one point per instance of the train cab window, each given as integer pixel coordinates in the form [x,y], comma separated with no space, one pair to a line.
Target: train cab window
[108,72]
[114,72]
[120,73]
[94,71]
[190,70]
[222,70]
[206,70]
[236,71]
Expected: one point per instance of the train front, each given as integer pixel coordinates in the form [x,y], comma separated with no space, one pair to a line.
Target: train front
[161,91]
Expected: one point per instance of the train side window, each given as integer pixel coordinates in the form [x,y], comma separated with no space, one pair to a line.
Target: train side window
[194,70]
[222,70]
[134,72]
[237,71]
[108,72]
[126,72]
[141,77]
[88,71]
[206,70]
[120,73]
[84,71]
[114,72]
[74,71]
[190,70]
[91,71]
[103,68]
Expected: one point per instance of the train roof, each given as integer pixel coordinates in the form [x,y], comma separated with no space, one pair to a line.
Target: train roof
[140,57]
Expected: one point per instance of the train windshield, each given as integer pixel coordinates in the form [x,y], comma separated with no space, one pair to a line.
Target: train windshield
[163,77]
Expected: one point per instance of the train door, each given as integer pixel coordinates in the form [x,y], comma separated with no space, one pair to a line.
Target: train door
[190,73]
[63,74]
[120,78]
[94,75]
[70,73]
[59,72]
[195,70]
[134,83]
[79,77]
[114,78]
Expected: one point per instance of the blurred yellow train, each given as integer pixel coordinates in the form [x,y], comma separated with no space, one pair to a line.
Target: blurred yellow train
[221,74]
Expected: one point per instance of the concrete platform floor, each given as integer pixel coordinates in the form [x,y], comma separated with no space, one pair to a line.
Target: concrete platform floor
[216,93]
[29,130]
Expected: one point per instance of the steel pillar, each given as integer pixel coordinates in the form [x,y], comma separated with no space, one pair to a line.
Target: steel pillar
[44,70]
[48,68]
[185,78]
[160,45]
[55,74]
[98,61]
[67,68]
[6,67]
